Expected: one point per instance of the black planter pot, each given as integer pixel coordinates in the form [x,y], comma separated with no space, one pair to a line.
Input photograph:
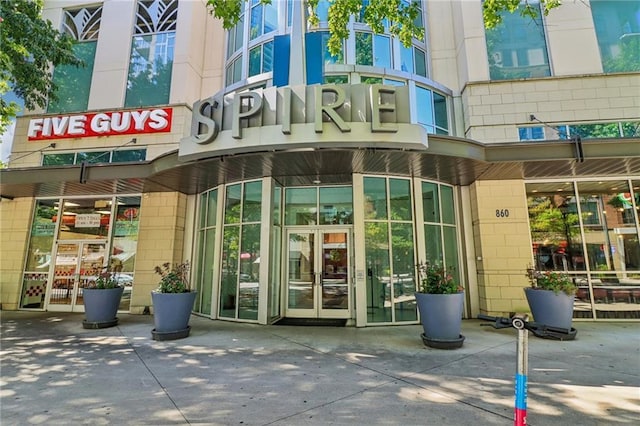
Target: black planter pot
[550,308]
[171,313]
[101,306]
[441,318]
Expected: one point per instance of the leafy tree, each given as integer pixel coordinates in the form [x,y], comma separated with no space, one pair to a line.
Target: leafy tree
[30,47]
[400,15]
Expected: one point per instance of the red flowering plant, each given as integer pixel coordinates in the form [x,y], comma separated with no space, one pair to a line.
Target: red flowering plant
[556,281]
[436,279]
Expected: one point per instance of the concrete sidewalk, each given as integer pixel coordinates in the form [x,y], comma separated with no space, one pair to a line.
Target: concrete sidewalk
[55,372]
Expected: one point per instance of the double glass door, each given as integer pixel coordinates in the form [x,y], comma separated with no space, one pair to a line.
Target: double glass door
[318,273]
[76,265]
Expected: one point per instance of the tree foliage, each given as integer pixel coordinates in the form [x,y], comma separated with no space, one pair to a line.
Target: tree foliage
[400,15]
[30,46]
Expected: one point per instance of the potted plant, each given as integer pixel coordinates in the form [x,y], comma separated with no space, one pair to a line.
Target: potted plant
[172,302]
[101,299]
[551,297]
[440,301]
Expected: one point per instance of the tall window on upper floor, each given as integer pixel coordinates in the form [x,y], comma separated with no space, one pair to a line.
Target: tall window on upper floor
[74,83]
[617,25]
[517,48]
[431,108]
[152,50]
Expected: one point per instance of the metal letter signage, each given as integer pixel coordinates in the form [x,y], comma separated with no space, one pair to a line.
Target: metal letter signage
[293,117]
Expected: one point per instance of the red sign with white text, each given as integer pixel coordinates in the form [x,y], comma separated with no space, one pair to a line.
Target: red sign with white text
[132,122]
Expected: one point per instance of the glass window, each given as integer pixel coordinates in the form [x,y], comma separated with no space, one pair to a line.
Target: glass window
[249,272]
[58,159]
[375,195]
[128,155]
[301,206]
[336,79]
[261,59]
[406,59]
[530,133]
[364,48]
[74,83]
[617,25]
[517,48]
[152,50]
[447,204]
[594,131]
[336,205]
[404,283]
[264,19]
[440,112]
[631,129]
[251,210]
[421,62]
[376,242]
[400,199]
[233,204]
[430,202]
[328,58]
[80,219]
[424,107]
[93,157]
[322,10]
[229,275]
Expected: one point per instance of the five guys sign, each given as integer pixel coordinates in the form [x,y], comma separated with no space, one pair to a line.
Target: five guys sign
[154,120]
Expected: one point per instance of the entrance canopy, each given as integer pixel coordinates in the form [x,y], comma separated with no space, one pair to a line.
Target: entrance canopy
[447,159]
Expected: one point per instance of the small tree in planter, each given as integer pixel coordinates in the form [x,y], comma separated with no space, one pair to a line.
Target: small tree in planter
[440,301]
[172,302]
[551,297]
[101,299]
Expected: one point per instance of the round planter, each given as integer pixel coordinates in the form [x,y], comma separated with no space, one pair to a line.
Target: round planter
[441,317]
[171,313]
[101,306]
[549,308]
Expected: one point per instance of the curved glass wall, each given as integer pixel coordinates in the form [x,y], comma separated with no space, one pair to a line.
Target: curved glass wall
[590,230]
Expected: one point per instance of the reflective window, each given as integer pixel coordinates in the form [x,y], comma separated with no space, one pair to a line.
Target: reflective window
[530,133]
[124,245]
[389,250]
[441,243]
[329,205]
[152,50]
[373,50]
[617,25]
[424,108]
[328,57]
[74,83]
[116,156]
[261,59]
[336,205]
[517,48]
[589,229]
[83,219]
[301,206]
[264,19]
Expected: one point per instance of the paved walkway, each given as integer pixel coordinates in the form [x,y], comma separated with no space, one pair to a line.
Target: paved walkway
[54,372]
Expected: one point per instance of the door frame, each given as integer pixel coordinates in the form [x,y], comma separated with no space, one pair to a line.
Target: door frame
[73,305]
[318,311]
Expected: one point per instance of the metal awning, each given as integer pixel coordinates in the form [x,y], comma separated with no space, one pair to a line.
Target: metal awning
[448,159]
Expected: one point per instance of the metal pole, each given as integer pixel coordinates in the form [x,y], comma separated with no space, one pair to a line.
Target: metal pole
[520,418]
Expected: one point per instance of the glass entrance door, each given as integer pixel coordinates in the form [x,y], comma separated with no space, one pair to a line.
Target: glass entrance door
[76,265]
[318,279]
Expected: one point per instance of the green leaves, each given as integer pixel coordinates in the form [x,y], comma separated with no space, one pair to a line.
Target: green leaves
[492,9]
[30,47]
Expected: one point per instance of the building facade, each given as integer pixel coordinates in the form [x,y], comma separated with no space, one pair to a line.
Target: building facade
[301,184]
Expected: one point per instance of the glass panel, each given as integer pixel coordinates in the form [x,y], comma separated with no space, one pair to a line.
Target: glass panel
[198,266]
[74,83]
[202,214]
[421,62]
[631,129]
[267,57]
[335,281]
[375,195]
[237,70]
[125,245]
[371,80]
[270,18]
[530,133]
[301,206]
[400,199]
[451,251]
[229,276]
[38,259]
[378,272]
[594,131]
[336,79]
[617,27]
[84,219]
[404,284]
[58,159]
[212,207]
[251,211]
[322,10]
[406,59]
[328,58]
[91,264]
[255,28]
[517,48]
[93,157]
[433,244]
[448,209]
[424,106]
[239,36]
[128,155]
[364,45]
[255,60]
[150,67]
[275,254]
[233,203]
[248,292]
[430,202]
[65,270]
[440,112]
[382,52]
[301,267]
[336,205]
